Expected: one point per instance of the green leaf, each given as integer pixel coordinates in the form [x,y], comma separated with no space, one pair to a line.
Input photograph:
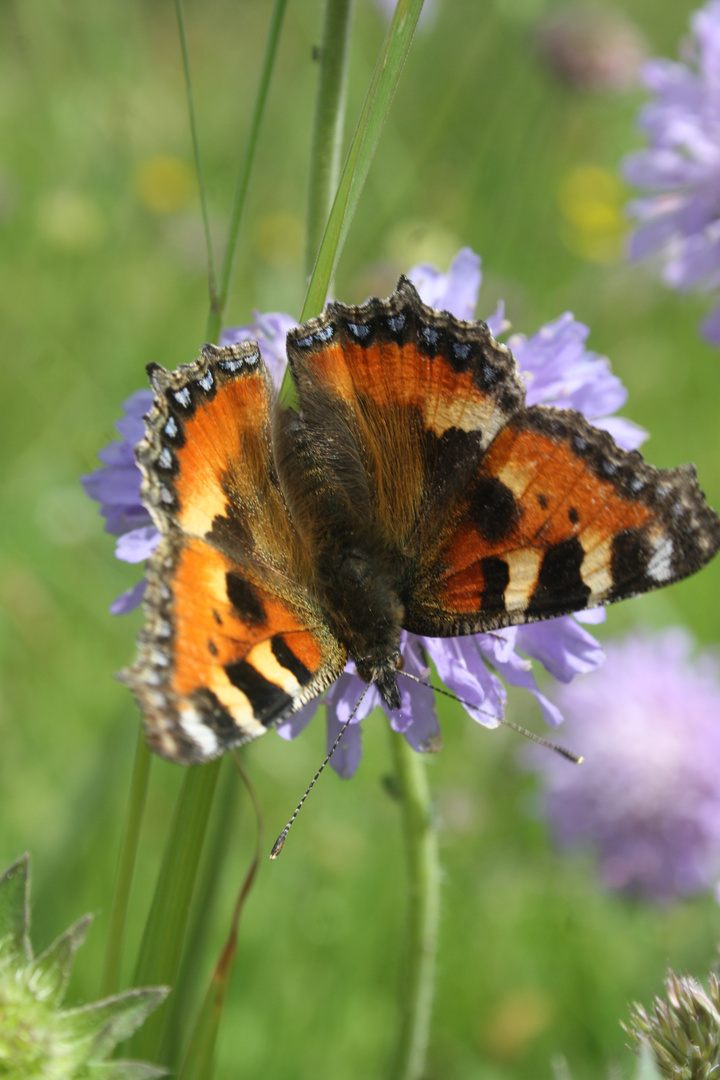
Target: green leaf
[15,908]
[106,1023]
[49,972]
[126,1070]
[126,866]
[166,924]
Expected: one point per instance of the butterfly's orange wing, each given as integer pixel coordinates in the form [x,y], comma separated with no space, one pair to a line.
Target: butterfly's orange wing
[557,518]
[233,641]
[495,514]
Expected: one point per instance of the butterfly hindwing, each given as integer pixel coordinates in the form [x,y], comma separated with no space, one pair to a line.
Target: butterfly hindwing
[232,641]
[558,518]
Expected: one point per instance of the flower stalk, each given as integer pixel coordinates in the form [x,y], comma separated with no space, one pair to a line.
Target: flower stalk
[423,867]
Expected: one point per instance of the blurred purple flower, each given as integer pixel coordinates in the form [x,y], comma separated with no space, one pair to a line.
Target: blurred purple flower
[646,800]
[116,486]
[558,371]
[270,332]
[680,216]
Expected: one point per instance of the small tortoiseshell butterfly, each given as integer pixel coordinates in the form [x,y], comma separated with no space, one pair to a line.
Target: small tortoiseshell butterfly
[414,490]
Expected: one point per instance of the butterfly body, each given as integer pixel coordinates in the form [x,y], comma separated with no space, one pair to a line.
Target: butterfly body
[413,491]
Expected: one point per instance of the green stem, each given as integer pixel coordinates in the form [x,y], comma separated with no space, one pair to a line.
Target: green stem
[212,285]
[381,91]
[329,122]
[417,984]
[126,867]
[160,951]
[214,324]
[383,84]
[199,1060]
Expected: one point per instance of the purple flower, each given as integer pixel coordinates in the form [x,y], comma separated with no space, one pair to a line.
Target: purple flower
[558,371]
[646,800]
[679,218]
[270,332]
[116,486]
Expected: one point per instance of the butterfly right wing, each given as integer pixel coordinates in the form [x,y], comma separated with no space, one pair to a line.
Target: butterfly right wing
[234,640]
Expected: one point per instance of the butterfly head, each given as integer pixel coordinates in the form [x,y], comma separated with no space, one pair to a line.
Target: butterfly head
[383,674]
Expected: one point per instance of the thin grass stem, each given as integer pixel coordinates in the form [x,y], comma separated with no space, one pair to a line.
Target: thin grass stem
[378,100]
[381,91]
[212,283]
[214,324]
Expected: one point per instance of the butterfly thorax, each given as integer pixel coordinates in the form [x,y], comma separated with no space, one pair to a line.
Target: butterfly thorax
[356,575]
[359,595]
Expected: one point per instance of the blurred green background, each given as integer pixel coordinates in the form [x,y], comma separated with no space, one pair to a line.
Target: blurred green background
[102,271]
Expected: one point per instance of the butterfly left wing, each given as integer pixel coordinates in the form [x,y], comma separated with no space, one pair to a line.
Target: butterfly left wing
[557,518]
[233,640]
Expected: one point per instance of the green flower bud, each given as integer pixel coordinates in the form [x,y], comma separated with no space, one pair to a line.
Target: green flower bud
[682,1030]
[40,1039]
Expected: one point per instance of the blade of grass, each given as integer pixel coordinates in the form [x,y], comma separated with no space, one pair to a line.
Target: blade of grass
[164,934]
[326,149]
[214,323]
[362,149]
[126,867]
[212,284]
[198,1064]
[187,993]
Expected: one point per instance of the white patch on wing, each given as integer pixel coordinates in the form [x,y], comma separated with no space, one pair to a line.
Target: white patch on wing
[659,567]
[194,727]
[524,566]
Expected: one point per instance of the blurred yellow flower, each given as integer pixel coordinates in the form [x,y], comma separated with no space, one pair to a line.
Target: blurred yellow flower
[164,184]
[516,1021]
[591,201]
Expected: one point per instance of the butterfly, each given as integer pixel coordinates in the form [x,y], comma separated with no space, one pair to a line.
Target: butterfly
[413,490]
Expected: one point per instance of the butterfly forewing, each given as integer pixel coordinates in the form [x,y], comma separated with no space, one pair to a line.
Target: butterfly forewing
[233,641]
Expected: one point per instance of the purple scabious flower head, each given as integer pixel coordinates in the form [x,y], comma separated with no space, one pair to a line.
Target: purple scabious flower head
[679,217]
[646,800]
[270,332]
[558,370]
[116,486]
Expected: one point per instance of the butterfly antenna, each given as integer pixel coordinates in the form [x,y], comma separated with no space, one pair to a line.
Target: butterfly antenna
[278,845]
[561,750]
